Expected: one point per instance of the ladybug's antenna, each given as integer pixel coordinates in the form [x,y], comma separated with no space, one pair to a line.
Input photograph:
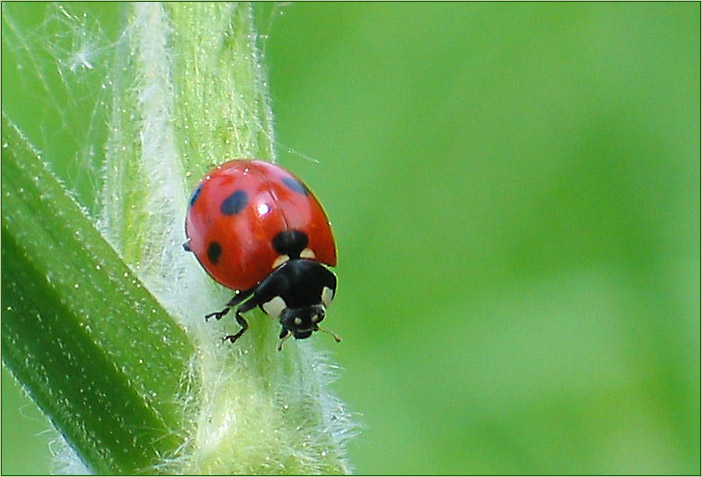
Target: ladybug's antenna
[288,335]
[333,335]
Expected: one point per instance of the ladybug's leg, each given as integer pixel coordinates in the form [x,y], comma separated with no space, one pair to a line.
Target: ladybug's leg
[236,299]
[240,319]
[284,335]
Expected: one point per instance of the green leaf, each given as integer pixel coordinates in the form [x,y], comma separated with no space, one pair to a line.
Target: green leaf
[92,347]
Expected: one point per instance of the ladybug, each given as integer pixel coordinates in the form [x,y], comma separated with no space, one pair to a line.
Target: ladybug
[257,229]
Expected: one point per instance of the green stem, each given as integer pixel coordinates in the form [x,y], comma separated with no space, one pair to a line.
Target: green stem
[189,92]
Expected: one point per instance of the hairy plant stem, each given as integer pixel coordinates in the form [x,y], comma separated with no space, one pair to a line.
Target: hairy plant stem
[192,94]
[103,323]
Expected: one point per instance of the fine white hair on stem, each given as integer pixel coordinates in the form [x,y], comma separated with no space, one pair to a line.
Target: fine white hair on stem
[65,460]
[166,264]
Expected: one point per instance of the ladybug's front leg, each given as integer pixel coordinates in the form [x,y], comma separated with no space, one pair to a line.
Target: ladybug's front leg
[218,314]
[236,299]
[240,319]
[284,335]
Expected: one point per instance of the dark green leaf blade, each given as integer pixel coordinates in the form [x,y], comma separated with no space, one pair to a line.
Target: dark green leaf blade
[94,349]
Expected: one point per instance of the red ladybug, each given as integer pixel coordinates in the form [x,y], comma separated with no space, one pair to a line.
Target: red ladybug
[256,228]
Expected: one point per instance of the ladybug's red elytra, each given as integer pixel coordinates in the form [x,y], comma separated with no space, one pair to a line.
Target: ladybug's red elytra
[256,228]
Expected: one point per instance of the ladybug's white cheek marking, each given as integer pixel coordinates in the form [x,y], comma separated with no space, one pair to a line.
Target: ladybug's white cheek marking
[279,261]
[327,296]
[307,253]
[274,307]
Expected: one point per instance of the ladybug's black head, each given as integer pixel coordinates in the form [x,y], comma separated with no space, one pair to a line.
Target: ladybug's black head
[301,322]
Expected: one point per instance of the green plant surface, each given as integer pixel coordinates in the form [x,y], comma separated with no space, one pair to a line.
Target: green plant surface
[515,193]
[93,348]
[244,409]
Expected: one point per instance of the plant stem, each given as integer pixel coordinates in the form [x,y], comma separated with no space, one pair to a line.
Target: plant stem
[193,95]
[105,330]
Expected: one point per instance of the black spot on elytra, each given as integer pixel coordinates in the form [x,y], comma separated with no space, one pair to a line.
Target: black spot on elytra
[234,203]
[290,243]
[295,185]
[213,252]
[195,195]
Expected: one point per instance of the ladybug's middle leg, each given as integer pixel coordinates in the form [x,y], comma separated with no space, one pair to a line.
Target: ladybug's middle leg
[236,299]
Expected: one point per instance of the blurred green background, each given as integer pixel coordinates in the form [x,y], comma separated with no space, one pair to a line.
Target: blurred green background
[515,191]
